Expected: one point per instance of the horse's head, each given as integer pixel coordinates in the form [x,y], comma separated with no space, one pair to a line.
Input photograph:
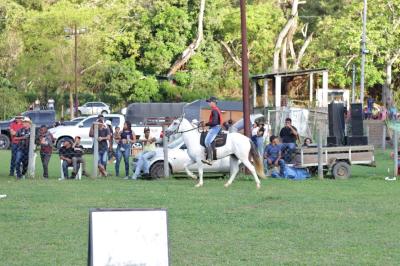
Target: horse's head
[173,128]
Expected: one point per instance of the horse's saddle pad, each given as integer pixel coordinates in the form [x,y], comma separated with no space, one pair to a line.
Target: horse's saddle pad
[219,141]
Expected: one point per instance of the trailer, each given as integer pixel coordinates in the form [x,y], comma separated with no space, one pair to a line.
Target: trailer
[335,160]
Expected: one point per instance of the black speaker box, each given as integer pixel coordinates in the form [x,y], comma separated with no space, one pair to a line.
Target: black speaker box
[356,110]
[357,123]
[356,140]
[334,141]
[336,120]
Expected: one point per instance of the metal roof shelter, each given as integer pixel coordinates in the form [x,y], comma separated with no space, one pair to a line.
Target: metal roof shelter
[138,113]
[277,81]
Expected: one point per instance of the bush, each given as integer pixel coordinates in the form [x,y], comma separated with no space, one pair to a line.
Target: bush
[12,103]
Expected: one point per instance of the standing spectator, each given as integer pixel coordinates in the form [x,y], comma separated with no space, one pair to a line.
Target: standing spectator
[45,140]
[273,155]
[289,137]
[77,159]
[36,105]
[254,132]
[260,139]
[22,156]
[50,104]
[66,154]
[14,127]
[127,137]
[104,138]
[149,150]
[111,141]
[370,106]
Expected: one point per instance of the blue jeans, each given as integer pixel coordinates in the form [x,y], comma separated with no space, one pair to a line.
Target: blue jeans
[287,151]
[260,145]
[143,163]
[212,133]
[103,154]
[123,150]
[65,165]
[281,164]
[14,148]
[21,160]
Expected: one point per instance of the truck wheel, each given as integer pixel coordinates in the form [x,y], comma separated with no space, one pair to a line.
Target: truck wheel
[61,140]
[104,112]
[79,113]
[341,170]
[4,142]
[157,170]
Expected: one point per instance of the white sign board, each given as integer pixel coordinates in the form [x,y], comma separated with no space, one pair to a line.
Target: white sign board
[128,237]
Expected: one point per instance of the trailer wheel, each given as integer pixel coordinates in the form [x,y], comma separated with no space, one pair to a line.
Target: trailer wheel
[341,170]
[4,142]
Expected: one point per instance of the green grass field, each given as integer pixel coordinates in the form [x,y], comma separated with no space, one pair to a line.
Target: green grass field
[350,222]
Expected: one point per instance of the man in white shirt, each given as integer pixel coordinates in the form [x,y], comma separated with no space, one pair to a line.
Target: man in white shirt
[149,150]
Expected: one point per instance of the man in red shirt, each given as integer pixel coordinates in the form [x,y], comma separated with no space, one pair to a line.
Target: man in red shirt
[14,127]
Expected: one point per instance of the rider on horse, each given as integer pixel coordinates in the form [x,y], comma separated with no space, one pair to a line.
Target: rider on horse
[214,123]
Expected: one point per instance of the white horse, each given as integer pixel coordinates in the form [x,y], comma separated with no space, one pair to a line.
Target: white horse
[238,147]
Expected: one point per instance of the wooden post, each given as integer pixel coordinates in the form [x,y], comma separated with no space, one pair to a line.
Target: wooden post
[31,153]
[265,92]
[396,154]
[254,93]
[325,89]
[311,88]
[165,149]
[320,166]
[278,84]
[95,149]
[384,138]
[367,133]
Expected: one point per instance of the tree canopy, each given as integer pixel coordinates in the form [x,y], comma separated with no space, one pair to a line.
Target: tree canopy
[128,47]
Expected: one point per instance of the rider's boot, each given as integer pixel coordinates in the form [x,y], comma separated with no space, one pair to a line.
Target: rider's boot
[209,156]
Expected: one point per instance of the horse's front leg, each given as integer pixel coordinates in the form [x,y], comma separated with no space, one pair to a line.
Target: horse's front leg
[188,172]
[200,169]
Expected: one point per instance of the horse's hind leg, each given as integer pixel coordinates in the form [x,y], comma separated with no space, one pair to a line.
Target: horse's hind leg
[234,165]
[249,166]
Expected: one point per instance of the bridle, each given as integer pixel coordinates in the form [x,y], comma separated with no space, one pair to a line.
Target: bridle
[176,130]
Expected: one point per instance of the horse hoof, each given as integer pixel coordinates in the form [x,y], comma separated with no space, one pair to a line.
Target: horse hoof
[258,185]
[199,185]
[227,185]
[193,177]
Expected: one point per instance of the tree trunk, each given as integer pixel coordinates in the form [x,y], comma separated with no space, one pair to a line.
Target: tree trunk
[231,54]
[387,90]
[191,49]
[279,41]
[284,55]
[302,51]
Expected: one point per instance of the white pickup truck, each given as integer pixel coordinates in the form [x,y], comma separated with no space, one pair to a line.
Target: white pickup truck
[62,133]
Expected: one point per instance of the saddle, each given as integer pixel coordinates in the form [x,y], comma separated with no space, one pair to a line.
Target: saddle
[219,141]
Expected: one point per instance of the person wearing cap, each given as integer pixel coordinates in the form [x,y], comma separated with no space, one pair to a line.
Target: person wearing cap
[22,156]
[215,124]
[14,127]
[77,158]
[66,153]
[149,150]
[45,140]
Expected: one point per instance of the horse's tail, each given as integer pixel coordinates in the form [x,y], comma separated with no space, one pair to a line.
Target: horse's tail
[258,162]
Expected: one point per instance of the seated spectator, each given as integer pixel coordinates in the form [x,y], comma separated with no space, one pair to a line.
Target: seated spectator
[149,150]
[125,140]
[289,137]
[78,159]
[66,153]
[273,154]
[104,137]
[307,142]
[45,140]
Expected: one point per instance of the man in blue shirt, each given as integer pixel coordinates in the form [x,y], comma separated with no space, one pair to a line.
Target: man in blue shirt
[273,154]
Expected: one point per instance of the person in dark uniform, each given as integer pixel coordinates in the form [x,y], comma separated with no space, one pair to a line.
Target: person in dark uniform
[214,123]
[289,137]
[22,156]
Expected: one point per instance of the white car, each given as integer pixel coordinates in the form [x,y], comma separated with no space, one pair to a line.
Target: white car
[93,108]
[82,129]
[178,157]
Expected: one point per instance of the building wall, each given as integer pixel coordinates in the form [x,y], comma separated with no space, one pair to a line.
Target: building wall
[226,115]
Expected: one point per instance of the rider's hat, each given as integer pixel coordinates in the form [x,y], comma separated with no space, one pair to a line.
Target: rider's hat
[212,99]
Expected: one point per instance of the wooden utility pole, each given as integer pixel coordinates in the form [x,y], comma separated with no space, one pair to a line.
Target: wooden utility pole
[245,70]
[364,52]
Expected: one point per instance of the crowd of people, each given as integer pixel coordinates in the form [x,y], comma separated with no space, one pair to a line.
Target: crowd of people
[71,152]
